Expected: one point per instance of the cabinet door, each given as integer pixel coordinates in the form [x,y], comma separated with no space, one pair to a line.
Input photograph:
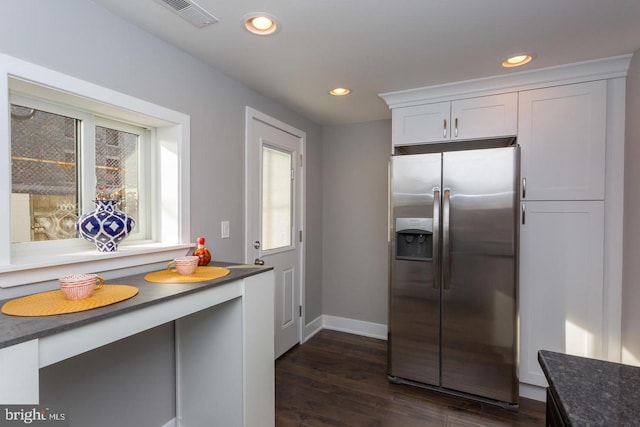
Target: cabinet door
[485,117]
[561,282]
[562,134]
[420,124]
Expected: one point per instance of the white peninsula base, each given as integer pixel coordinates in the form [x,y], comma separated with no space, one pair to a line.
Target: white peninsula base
[224,352]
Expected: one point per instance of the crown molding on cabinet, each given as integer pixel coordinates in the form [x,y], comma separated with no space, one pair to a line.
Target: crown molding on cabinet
[598,69]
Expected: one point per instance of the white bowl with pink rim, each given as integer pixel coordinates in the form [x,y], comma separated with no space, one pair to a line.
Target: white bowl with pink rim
[80,286]
[184,265]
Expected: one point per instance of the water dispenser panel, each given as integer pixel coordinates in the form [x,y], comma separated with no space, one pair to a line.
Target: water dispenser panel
[414,239]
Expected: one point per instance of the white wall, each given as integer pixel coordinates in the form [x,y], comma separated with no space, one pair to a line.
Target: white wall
[81,39]
[631,266]
[355,269]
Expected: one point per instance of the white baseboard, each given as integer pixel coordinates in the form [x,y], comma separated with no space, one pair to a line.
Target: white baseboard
[358,327]
[533,392]
[312,328]
[343,324]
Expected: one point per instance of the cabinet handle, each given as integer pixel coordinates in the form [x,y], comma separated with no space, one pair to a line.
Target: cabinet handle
[444,129]
[455,130]
[436,238]
[524,188]
[446,250]
[523,213]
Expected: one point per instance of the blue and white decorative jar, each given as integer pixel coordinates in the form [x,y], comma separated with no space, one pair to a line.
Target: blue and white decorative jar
[106,226]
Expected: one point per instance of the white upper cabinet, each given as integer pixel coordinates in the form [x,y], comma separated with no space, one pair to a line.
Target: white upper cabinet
[562,132]
[485,117]
[421,124]
[473,118]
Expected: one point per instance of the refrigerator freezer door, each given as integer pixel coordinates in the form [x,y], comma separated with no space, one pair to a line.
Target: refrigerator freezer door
[414,299]
[479,299]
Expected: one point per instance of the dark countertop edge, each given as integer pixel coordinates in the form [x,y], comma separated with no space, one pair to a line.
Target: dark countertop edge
[542,354]
[591,391]
[117,309]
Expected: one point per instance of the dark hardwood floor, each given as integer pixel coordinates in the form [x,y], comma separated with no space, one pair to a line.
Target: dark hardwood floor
[337,379]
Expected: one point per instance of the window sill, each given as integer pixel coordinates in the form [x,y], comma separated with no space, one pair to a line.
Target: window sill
[29,270]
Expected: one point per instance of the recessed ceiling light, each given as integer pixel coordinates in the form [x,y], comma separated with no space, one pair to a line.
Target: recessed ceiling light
[340,91]
[261,24]
[517,60]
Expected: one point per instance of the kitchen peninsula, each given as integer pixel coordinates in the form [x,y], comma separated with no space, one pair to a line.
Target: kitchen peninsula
[584,391]
[223,343]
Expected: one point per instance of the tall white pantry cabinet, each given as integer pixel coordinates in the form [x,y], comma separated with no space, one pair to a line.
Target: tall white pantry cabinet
[569,123]
[562,132]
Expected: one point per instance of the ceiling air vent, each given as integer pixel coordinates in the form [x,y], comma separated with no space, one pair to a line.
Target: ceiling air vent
[190,11]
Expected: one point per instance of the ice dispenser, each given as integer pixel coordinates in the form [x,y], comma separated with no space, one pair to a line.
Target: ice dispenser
[414,239]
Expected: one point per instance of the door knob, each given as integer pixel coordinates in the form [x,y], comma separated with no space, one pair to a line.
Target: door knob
[258,261]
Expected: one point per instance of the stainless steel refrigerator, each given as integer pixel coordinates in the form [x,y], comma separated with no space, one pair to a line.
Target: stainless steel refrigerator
[453,302]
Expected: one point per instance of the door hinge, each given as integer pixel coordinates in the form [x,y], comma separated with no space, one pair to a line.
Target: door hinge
[301,235]
[300,165]
[300,310]
[293,174]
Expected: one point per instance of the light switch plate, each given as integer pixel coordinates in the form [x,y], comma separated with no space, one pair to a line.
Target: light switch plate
[224,229]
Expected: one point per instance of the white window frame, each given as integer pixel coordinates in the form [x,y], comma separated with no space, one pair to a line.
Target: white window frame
[87,184]
[169,133]
[144,221]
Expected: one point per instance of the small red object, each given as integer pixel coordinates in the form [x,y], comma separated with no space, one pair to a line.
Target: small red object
[203,254]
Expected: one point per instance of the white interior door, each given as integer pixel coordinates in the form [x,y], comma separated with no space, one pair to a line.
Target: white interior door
[274,217]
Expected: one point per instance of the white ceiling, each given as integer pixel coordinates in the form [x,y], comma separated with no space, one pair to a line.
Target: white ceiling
[377,46]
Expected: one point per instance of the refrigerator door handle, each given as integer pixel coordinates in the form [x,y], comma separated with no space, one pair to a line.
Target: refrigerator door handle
[446,255]
[436,238]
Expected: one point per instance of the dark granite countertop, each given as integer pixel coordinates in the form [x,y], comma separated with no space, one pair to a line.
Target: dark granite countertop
[16,329]
[592,392]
